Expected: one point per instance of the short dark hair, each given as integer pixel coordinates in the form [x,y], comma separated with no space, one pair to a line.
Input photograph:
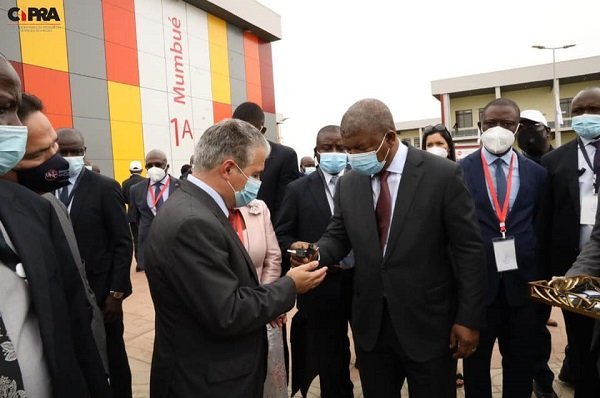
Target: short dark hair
[328,129]
[251,113]
[29,104]
[443,131]
[503,102]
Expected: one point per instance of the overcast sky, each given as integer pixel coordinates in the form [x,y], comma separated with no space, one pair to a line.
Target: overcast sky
[335,52]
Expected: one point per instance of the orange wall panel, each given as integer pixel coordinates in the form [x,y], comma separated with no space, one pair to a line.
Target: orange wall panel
[221,111]
[252,65]
[53,88]
[120,42]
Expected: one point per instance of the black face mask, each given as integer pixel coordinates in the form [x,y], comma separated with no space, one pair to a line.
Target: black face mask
[532,140]
[47,177]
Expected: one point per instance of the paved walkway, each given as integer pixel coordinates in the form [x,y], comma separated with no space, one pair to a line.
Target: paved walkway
[139,339]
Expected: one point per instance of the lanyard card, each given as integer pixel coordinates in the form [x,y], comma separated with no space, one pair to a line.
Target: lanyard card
[505,253]
[589,204]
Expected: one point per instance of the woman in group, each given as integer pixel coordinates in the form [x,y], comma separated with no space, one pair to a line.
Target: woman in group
[437,140]
[252,223]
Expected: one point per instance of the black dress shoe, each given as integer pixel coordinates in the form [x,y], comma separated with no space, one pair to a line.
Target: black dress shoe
[540,392]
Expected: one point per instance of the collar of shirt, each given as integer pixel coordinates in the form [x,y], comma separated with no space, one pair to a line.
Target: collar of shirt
[328,176]
[490,157]
[163,181]
[397,164]
[211,192]
[73,179]
[587,141]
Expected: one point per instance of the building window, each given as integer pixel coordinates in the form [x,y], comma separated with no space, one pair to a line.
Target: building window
[464,119]
[565,107]
[416,142]
[481,114]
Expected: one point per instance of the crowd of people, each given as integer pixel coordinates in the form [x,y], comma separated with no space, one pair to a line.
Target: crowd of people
[426,257]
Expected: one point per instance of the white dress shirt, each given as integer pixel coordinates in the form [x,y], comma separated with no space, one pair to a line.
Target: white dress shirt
[586,185]
[395,168]
[329,188]
[165,194]
[516,179]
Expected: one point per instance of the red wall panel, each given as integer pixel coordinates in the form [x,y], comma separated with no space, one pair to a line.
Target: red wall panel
[53,88]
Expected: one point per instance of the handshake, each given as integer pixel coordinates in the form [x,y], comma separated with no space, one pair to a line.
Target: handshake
[305,271]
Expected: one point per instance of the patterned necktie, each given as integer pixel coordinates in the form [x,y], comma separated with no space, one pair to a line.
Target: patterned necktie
[383,210]
[157,194]
[500,183]
[332,183]
[10,372]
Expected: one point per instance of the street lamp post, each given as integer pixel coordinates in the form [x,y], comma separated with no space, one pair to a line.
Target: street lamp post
[555,88]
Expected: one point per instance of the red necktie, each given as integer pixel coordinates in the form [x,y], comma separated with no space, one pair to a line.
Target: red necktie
[237,222]
[383,210]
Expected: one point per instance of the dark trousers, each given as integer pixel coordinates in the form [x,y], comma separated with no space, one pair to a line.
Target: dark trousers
[542,375]
[514,327]
[582,362]
[118,364]
[134,234]
[384,369]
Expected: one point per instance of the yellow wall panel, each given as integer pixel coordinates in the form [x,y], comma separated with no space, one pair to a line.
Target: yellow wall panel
[125,126]
[219,61]
[44,43]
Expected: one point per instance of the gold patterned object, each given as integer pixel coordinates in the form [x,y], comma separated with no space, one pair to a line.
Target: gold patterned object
[579,294]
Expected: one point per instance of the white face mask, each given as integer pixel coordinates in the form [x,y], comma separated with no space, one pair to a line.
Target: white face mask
[76,163]
[438,151]
[497,140]
[155,174]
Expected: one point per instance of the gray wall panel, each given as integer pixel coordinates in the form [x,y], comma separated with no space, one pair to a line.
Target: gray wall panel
[86,55]
[238,92]
[271,125]
[97,139]
[85,16]
[10,43]
[89,97]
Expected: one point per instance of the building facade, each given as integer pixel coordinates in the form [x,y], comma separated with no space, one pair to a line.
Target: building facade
[463,98]
[136,75]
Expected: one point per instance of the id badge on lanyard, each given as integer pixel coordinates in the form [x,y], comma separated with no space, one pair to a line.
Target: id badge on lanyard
[504,248]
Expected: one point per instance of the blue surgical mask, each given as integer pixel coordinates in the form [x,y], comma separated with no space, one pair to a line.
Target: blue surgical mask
[332,162]
[586,125]
[76,163]
[13,142]
[248,193]
[366,163]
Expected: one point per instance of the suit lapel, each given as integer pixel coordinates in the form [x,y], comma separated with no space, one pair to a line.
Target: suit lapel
[316,187]
[218,213]
[81,191]
[173,185]
[572,169]
[480,190]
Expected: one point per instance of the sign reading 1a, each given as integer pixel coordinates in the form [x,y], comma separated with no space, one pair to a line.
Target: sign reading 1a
[185,129]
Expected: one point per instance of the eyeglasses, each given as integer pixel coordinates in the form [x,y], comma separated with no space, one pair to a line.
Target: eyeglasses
[437,128]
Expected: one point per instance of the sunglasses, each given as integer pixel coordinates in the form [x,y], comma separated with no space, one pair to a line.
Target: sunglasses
[437,128]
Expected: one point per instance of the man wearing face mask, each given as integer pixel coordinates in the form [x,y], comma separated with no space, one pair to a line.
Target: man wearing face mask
[148,196]
[307,165]
[211,310]
[534,135]
[568,217]
[48,348]
[320,344]
[495,176]
[399,209]
[97,211]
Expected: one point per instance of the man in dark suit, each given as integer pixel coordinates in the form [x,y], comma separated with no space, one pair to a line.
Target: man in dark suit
[147,197]
[281,167]
[507,190]
[567,223]
[43,311]
[97,211]
[135,168]
[400,209]
[211,310]
[320,344]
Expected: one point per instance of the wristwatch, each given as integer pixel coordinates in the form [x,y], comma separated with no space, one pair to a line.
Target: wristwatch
[117,295]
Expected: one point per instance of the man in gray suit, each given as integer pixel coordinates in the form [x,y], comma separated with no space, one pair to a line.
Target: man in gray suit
[419,262]
[211,311]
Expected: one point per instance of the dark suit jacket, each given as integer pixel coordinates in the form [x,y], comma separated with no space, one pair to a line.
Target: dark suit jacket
[100,224]
[424,295]
[520,223]
[127,184]
[141,214]
[57,293]
[281,168]
[304,216]
[561,208]
[211,311]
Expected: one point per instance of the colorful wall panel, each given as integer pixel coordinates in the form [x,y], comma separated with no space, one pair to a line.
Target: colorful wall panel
[136,75]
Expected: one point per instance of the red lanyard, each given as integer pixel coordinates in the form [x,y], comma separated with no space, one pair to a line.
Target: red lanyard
[500,214]
[154,200]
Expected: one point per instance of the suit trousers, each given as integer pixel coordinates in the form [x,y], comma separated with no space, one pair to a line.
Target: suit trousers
[542,375]
[515,329]
[134,234]
[582,362]
[120,374]
[384,369]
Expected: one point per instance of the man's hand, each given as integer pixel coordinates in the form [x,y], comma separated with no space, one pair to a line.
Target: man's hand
[295,260]
[279,321]
[463,341]
[306,276]
[112,309]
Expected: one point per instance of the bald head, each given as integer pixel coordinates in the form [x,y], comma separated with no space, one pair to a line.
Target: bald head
[156,158]
[586,101]
[70,142]
[367,116]
[10,93]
